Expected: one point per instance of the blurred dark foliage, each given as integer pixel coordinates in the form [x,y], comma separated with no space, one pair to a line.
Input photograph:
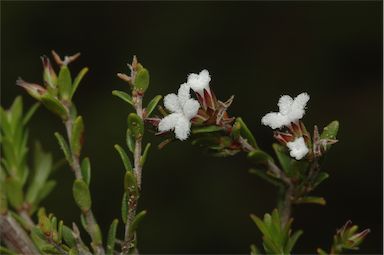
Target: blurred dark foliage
[254,50]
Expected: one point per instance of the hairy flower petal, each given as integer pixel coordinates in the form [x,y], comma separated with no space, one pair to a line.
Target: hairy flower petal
[190,108]
[298,148]
[184,93]
[182,128]
[169,122]
[171,102]
[199,82]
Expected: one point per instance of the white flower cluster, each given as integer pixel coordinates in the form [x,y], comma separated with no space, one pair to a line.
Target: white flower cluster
[182,107]
[290,110]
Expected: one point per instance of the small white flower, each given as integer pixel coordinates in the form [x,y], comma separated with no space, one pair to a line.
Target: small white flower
[290,110]
[183,109]
[297,148]
[199,82]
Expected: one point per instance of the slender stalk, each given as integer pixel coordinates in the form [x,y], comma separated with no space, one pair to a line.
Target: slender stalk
[286,204]
[132,205]
[14,236]
[75,165]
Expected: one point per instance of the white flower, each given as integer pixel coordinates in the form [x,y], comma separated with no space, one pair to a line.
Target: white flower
[199,82]
[183,109]
[297,148]
[290,110]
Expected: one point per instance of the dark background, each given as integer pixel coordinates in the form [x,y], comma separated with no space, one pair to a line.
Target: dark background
[254,50]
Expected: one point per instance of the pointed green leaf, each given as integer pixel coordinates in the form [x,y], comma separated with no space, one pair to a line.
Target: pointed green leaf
[86,170]
[265,176]
[112,237]
[320,177]
[330,131]
[145,154]
[77,80]
[124,96]
[136,221]
[130,140]
[124,208]
[206,129]
[60,231]
[14,189]
[292,241]
[152,105]
[55,106]
[64,146]
[124,158]
[77,135]
[311,200]
[136,125]
[82,195]
[64,82]
[68,236]
[141,82]
[259,157]
[246,133]
[30,113]
[130,184]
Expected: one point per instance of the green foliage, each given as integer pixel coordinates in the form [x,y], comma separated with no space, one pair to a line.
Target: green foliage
[124,158]
[141,81]
[112,237]
[124,96]
[152,105]
[135,125]
[346,238]
[246,133]
[82,195]
[277,238]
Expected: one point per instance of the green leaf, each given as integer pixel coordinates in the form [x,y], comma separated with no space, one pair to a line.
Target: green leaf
[77,80]
[6,251]
[55,106]
[30,113]
[246,133]
[60,231]
[130,184]
[311,200]
[124,208]
[77,135]
[16,111]
[136,125]
[130,140]
[82,195]
[145,154]
[292,241]
[45,190]
[259,157]
[112,237]
[136,221]
[265,176]
[86,170]
[42,169]
[141,82]
[321,252]
[64,146]
[260,225]
[152,105]
[124,158]
[124,96]
[320,177]
[330,131]
[206,129]
[14,189]
[68,236]
[64,82]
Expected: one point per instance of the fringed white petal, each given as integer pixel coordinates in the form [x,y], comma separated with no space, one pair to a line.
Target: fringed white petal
[298,107]
[171,102]
[285,103]
[199,82]
[191,108]
[184,93]
[182,128]
[275,120]
[169,122]
[298,148]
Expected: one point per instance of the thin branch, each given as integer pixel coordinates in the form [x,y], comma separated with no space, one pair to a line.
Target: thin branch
[75,165]
[14,236]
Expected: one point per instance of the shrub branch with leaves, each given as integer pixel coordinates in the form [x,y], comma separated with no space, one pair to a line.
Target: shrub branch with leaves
[205,121]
